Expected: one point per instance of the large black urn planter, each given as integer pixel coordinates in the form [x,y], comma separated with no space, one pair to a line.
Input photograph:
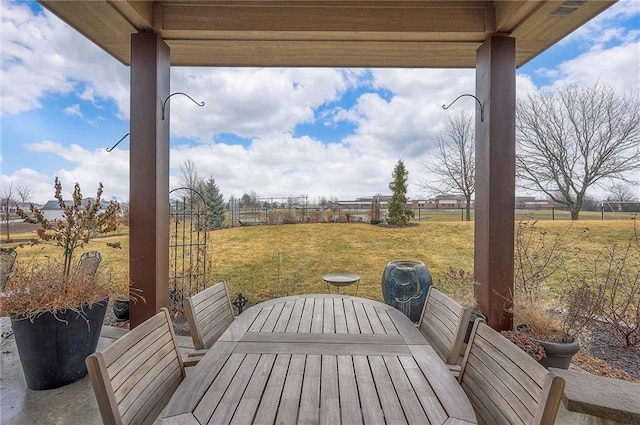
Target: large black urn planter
[405,285]
[53,348]
[558,354]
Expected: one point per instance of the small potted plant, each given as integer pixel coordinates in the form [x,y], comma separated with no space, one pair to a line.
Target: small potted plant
[553,322]
[56,310]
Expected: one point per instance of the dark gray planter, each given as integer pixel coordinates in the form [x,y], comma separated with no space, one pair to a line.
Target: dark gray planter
[52,348]
[558,354]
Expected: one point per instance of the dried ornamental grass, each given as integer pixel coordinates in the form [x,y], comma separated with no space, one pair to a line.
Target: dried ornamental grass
[39,287]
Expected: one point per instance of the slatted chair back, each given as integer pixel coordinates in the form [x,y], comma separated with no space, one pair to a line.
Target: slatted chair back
[209,314]
[134,378]
[7,260]
[444,323]
[88,263]
[504,384]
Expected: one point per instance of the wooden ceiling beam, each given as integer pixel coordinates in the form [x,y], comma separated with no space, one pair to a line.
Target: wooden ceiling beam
[382,17]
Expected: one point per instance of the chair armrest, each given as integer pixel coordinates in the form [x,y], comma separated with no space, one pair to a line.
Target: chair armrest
[197,353]
[454,369]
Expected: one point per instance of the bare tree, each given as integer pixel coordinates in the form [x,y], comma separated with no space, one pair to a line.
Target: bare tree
[454,160]
[190,180]
[8,201]
[23,194]
[571,140]
[620,192]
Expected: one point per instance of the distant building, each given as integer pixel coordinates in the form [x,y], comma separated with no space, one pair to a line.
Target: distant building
[52,210]
[443,201]
[531,203]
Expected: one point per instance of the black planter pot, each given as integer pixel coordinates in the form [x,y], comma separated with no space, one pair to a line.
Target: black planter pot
[474,315]
[52,348]
[121,310]
[558,354]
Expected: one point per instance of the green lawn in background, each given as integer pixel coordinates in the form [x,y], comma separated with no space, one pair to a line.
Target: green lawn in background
[265,262]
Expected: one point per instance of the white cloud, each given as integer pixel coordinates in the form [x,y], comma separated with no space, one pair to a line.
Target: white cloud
[250,102]
[618,67]
[42,55]
[73,110]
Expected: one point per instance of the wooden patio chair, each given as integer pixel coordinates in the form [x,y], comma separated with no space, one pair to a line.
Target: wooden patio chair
[504,384]
[134,378]
[444,323]
[88,263]
[7,260]
[209,314]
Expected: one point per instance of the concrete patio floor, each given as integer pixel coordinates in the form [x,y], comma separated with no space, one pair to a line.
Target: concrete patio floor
[68,405]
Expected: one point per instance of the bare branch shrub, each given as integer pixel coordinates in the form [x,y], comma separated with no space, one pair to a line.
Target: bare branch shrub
[616,274]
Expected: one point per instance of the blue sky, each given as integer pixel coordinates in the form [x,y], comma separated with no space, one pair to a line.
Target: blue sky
[277,132]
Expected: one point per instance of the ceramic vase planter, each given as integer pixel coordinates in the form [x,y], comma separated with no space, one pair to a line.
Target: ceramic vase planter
[405,285]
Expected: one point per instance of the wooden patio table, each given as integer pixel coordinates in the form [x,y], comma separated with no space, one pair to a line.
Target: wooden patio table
[327,359]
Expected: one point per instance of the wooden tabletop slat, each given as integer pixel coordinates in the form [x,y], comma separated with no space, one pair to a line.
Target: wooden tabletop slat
[260,319]
[374,320]
[273,317]
[307,316]
[407,329]
[317,322]
[194,387]
[309,411]
[240,326]
[250,400]
[320,359]
[387,323]
[329,392]
[424,392]
[216,391]
[340,318]
[290,399]
[389,401]
[270,401]
[369,399]
[406,393]
[350,315]
[363,320]
[329,325]
[454,401]
[322,348]
[285,315]
[227,406]
[350,412]
[288,337]
[296,315]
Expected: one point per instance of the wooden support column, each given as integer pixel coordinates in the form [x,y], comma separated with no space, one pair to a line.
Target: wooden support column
[495,179]
[149,175]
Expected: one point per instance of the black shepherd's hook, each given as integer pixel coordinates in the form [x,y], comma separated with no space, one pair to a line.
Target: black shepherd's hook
[117,143]
[164,104]
[470,95]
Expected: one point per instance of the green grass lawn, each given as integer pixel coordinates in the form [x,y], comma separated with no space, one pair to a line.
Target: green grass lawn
[264,262]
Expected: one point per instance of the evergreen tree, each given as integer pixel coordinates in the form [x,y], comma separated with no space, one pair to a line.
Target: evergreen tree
[398,214]
[214,201]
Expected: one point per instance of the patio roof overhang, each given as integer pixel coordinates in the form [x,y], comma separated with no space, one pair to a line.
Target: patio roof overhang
[329,33]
